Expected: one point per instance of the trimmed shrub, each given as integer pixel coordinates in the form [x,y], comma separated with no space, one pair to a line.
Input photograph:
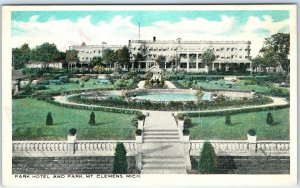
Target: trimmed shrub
[92,120]
[187,123]
[49,119]
[251,132]
[64,79]
[208,159]
[228,119]
[134,120]
[72,131]
[269,119]
[138,132]
[141,117]
[181,116]
[120,161]
[185,131]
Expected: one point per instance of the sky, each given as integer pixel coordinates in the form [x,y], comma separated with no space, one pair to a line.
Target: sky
[65,28]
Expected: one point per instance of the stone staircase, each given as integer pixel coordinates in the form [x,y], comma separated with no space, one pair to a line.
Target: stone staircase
[162,152]
[162,149]
[159,136]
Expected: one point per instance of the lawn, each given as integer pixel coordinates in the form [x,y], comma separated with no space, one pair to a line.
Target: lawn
[91,84]
[214,127]
[239,85]
[29,118]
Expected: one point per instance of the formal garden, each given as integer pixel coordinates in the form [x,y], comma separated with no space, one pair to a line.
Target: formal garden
[29,122]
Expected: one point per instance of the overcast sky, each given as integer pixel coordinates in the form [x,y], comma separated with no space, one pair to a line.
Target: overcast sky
[65,28]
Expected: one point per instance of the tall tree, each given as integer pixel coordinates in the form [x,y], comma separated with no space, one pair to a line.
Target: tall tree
[208,57]
[109,57]
[96,61]
[45,53]
[257,62]
[120,160]
[21,56]
[72,57]
[160,60]
[123,56]
[208,159]
[276,50]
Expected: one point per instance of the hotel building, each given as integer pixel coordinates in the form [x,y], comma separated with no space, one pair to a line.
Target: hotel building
[179,54]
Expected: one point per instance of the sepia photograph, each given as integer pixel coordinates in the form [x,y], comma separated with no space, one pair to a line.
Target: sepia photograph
[186,92]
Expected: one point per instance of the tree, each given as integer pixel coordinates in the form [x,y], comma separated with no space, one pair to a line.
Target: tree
[45,53]
[276,50]
[92,120]
[123,56]
[72,57]
[208,57]
[187,123]
[199,95]
[208,159]
[120,161]
[49,119]
[257,62]
[228,119]
[269,119]
[160,60]
[109,57]
[21,56]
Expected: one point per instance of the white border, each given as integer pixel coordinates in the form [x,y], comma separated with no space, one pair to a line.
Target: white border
[149,180]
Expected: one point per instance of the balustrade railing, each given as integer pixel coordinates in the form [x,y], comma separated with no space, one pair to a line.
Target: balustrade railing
[90,147]
[241,147]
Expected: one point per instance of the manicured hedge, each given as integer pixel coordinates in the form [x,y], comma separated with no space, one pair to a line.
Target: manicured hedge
[233,112]
[96,108]
[171,106]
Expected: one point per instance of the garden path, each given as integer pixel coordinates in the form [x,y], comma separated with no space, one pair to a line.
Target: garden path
[170,85]
[161,149]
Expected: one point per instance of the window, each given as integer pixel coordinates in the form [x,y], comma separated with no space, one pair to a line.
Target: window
[232,49]
[246,49]
[99,51]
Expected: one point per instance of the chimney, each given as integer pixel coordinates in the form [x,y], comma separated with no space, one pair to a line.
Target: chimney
[154,39]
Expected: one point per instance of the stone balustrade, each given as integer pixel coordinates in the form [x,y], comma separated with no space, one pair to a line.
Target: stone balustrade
[240,148]
[39,146]
[78,148]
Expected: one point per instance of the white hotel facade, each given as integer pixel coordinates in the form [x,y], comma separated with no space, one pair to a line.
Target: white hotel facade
[179,54]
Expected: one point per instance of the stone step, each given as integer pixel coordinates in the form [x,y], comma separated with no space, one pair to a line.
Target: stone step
[159,133]
[162,157]
[160,137]
[164,166]
[160,161]
[151,140]
[163,171]
[160,130]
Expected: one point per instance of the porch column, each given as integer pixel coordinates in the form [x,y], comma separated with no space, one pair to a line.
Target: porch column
[188,62]
[197,67]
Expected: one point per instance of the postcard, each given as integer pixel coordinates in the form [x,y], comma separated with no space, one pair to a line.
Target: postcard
[184,95]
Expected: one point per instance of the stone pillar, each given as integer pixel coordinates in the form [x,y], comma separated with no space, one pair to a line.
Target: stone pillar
[139,65]
[188,63]
[139,156]
[132,66]
[252,140]
[186,150]
[71,144]
[197,59]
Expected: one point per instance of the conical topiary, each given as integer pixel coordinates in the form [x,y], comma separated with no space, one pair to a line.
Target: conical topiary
[92,120]
[228,119]
[49,119]
[208,159]
[269,119]
[120,160]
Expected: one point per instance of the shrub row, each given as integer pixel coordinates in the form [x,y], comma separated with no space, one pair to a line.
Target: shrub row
[172,106]
[96,108]
[232,112]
